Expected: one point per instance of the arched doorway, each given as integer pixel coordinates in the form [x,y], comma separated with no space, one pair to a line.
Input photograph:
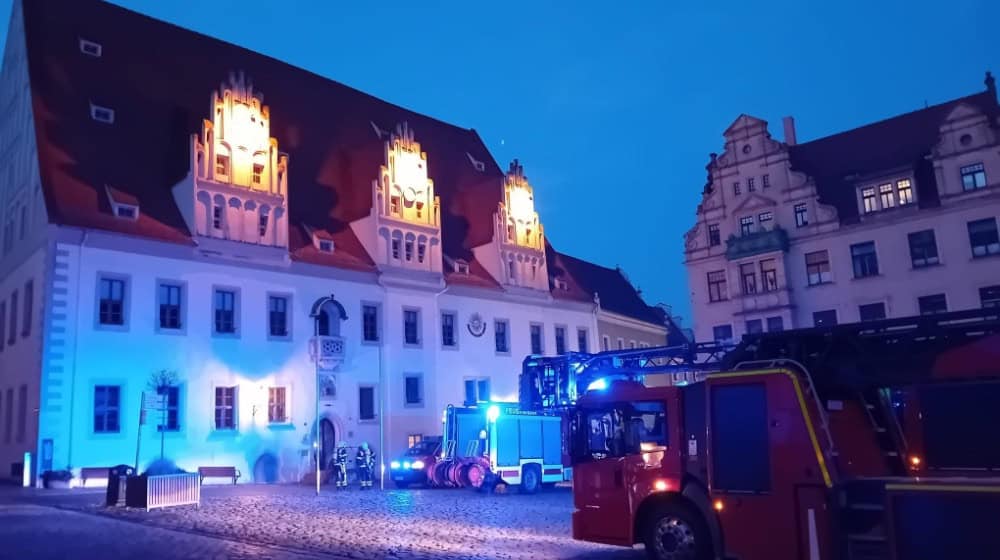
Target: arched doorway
[328,442]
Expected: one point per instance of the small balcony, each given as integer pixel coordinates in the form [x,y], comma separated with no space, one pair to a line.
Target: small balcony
[327,351]
[756,243]
[763,301]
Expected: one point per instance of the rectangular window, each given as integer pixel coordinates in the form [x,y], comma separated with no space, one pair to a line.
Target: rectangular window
[713,235]
[887,196]
[983,237]
[621,343]
[801,215]
[477,390]
[989,296]
[769,275]
[225,408]
[722,332]
[826,318]
[112,302]
[170,422]
[869,200]
[717,286]
[217,216]
[871,312]
[923,248]
[414,391]
[865,260]
[222,165]
[736,187]
[448,329]
[631,345]
[22,412]
[746,225]
[106,408]
[408,245]
[905,191]
[751,185]
[932,304]
[755,326]
[973,177]
[102,114]
[483,389]
[326,245]
[169,306]
[535,331]
[394,205]
[277,316]
[775,324]
[421,251]
[262,225]
[366,403]
[258,171]
[395,249]
[277,412]
[582,340]
[411,326]
[748,278]
[765,181]
[412,440]
[765,221]
[29,303]
[560,340]
[739,431]
[605,343]
[369,322]
[818,268]
[225,312]
[501,336]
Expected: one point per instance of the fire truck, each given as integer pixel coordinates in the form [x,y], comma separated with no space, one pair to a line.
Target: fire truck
[866,441]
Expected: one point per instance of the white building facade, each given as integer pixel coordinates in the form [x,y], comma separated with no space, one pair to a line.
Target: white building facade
[893,219]
[316,258]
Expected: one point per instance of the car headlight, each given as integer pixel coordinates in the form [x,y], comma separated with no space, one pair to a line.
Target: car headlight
[394,464]
[418,465]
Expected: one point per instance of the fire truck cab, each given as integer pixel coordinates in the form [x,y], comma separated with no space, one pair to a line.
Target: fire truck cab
[884,447]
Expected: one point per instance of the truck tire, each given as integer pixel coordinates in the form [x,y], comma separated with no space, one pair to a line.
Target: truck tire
[675,532]
[531,479]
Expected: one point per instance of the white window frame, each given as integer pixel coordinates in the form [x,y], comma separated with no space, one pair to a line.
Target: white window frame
[454,326]
[420,334]
[235,405]
[286,405]
[126,301]
[237,301]
[378,322]
[183,307]
[97,110]
[375,397]
[289,320]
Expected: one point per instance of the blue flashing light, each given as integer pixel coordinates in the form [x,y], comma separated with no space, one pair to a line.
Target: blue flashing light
[492,413]
[598,385]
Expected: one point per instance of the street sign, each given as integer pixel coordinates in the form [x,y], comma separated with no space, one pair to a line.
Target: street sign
[152,401]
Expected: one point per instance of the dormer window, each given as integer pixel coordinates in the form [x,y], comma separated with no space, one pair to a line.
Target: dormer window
[126,211]
[222,165]
[258,171]
[886,195]
[904,191]
[868,199]
[462,267]
[90,48]
[561,284]
[102,114]
[325,246]
[973,177]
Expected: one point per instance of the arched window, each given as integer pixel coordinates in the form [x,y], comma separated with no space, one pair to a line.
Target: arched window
[328,314]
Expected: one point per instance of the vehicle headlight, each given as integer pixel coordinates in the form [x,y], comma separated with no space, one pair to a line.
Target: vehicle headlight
[394,464]
[406,464]
[418,465]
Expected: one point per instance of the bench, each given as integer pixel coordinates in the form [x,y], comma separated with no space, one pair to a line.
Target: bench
[218,472]
[93,472]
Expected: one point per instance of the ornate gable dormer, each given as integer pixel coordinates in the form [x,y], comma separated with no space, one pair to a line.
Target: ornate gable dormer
[519,235]
[407,213]
[240,179]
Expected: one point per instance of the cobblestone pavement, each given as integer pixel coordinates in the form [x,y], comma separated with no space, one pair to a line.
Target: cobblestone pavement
[43,533]
[392,524]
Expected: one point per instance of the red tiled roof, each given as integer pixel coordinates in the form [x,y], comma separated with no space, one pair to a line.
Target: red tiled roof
[158,78]
[900,141]
[615,291]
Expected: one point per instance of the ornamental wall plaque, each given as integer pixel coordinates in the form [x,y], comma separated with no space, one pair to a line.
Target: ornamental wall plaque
[477,326]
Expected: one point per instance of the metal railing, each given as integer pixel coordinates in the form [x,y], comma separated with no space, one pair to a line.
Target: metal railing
[173,490]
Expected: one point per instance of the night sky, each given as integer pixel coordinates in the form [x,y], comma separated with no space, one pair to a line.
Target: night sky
[613,109]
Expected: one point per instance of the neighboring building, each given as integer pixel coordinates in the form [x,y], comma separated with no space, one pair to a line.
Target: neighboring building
[624,320]
[160,213]
[892,219]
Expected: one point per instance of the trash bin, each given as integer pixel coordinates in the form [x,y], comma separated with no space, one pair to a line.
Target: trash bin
[117,481]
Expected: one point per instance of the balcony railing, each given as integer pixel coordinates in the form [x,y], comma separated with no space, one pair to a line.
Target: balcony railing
[756,243]
[327,351]
[761,301]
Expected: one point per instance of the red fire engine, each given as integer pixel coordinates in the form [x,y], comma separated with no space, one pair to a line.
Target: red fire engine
[866,441]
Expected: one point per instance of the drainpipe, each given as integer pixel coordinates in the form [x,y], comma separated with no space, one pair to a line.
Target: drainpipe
[76,345]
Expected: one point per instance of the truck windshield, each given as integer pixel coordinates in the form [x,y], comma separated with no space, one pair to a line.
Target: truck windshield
[618,429]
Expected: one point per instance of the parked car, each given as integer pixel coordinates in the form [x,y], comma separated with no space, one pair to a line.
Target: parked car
[414,465]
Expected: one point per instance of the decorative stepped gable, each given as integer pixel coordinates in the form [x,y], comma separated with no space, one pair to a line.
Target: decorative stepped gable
[518,248]
[238,186]
[406,213]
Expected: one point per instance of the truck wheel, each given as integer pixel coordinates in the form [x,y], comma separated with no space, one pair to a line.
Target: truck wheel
[531,479]
[674,532]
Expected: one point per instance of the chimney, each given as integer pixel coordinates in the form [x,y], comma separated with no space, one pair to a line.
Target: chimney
[991,84]
[789,123]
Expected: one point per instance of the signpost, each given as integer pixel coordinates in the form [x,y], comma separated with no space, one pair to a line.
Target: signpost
[150,401]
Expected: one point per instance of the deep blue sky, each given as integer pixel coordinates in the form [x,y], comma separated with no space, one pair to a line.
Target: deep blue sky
[613,109]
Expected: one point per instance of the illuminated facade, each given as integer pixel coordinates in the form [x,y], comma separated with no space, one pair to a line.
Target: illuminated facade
[892,219]
[378,267]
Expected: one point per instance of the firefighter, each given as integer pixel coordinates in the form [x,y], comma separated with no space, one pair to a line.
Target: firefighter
[365,463]
[340,464]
